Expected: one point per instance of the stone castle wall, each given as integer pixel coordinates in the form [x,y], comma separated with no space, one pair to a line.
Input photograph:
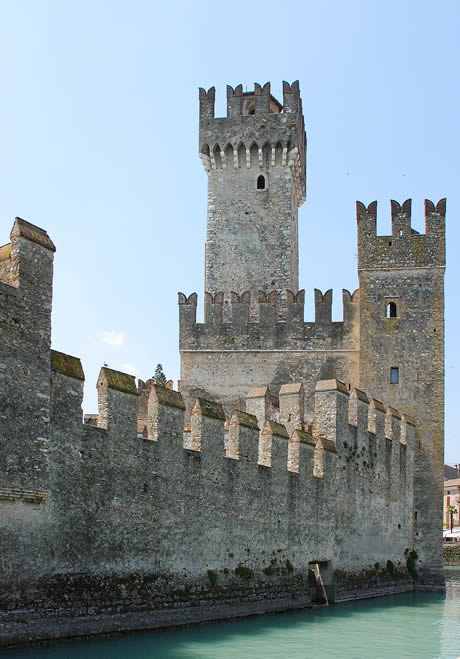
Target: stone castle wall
[103,530]
[224,359]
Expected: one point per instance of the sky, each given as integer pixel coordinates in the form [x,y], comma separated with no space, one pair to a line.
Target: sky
[99,146]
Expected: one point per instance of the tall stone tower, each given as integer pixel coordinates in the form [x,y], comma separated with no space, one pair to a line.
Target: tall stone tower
[255,160]
[401,281]
[254,331]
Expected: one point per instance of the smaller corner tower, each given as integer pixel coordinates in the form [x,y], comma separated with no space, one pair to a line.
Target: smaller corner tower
[255,161]
[401,281]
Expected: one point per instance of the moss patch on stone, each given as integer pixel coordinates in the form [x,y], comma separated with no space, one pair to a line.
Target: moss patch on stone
[247,420]
[211,409]
[67,365]
[169,397]
[278,429]
[5,252]
[305,437]
[119,381]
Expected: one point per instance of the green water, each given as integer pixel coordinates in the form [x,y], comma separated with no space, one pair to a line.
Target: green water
[419,625]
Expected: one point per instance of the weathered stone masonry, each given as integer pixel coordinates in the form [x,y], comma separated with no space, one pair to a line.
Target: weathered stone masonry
[218,500]
[127,532]
[254,334]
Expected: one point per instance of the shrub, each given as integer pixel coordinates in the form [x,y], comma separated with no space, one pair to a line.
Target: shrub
[212,576]
[244,572]
[289,566]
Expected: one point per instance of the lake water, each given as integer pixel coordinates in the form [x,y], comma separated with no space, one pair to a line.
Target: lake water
[417,625]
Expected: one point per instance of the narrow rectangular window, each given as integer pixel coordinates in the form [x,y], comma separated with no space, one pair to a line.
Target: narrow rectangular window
[394,375]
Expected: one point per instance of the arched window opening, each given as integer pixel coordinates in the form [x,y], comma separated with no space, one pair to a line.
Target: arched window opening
[217,157]
[261,182]
[241,156]
[392,310]
[279,154]
[252,109]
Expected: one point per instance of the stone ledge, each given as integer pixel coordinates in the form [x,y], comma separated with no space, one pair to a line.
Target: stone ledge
[23,494]
[55,627]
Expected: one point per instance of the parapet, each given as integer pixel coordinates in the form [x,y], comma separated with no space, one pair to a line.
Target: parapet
[66,365]
[274,328]
[406,247]
[351,430]
[257,102]
[338,407]
[257,132]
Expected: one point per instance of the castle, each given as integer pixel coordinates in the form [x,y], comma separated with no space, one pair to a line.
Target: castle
[300,462]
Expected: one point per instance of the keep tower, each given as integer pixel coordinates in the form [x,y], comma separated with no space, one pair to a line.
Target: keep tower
[255,161]
[401,284]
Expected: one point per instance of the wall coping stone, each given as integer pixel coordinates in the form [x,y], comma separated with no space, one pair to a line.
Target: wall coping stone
[304,437]
[169,397]
[332,385]
[211,409]
[277,429]
[67,365]
[291,388]
[117,380]
[31,232]
[245,419]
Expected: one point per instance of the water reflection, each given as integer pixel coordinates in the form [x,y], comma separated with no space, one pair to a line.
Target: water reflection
[415,625]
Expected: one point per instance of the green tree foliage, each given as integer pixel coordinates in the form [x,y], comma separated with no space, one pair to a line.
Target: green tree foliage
[159,377]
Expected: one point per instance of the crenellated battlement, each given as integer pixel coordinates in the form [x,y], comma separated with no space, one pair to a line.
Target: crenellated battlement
[406,247]
[258,133]
[272,433]
[231,326]
[257,102]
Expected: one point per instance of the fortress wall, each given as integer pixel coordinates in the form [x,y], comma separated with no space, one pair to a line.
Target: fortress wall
[124,525]
[132,522]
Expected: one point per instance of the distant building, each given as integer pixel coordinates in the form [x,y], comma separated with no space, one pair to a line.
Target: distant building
[451,472]
[451,498]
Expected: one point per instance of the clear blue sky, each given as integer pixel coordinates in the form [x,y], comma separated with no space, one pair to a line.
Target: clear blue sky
[99,146]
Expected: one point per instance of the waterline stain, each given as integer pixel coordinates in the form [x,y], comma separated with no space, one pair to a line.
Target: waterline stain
[415,625]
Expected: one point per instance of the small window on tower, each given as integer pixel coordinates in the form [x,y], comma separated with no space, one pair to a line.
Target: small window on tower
[394,375]
[261,182]
[392,310]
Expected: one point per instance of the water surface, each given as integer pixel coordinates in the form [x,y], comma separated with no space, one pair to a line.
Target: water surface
[416,625]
